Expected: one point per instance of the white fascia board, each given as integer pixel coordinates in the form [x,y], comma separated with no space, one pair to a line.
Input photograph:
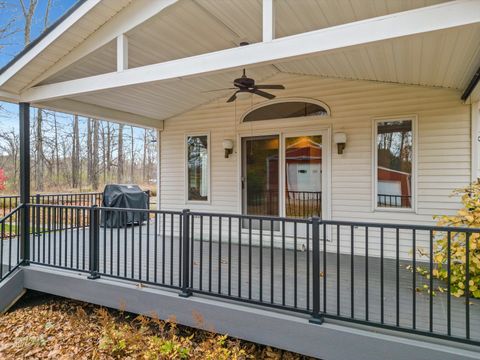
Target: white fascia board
[133,15]
[418,21]
[51,37]
[100,112]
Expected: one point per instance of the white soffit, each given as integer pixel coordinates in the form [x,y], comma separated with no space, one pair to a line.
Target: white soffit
[101,61]
[447,58]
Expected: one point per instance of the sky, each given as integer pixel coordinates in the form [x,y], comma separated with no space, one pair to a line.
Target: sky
[12,45]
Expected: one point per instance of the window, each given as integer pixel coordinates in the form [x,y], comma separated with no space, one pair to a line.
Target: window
[394,163]
[197,168]
[286,109]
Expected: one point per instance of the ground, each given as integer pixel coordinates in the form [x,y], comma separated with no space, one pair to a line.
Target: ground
[46,327]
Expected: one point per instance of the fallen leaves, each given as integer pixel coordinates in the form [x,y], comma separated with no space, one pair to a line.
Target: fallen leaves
[65,329]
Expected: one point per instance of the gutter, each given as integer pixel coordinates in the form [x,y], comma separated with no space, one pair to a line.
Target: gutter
[471,86]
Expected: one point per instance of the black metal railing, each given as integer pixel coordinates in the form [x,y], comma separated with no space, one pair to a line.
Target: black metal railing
[369,273]
[298,204]
[10,255]
[399,201]
[303,204]
[10,202]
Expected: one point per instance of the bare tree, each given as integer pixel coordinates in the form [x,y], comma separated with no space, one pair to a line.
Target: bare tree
[120,156]
[10,148]
[95,169]
[28,12]
[132,157]
[39,156]
[76,154]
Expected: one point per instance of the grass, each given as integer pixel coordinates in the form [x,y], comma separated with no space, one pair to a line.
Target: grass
[56,328]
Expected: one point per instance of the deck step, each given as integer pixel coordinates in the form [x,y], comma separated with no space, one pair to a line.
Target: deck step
[11,290]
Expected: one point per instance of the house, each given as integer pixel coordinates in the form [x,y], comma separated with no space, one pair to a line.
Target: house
[272,113]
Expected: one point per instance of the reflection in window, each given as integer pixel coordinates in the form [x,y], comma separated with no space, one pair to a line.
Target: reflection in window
[394,163]
[303,176]
[197,164]
[285,110]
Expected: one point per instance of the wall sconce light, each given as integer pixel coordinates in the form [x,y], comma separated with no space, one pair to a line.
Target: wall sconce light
[228,147]
[340,139]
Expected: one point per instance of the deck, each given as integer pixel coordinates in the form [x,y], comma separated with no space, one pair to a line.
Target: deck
[264,275]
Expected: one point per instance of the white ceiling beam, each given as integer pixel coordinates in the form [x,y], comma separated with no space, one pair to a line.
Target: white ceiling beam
[9,97]
[408,23]
[122,52]
[100,112]
[268,24]
[133,15]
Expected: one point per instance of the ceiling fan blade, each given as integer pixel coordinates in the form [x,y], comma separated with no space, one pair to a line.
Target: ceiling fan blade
[264,94]
[225,89]
[233,97]
[278,87]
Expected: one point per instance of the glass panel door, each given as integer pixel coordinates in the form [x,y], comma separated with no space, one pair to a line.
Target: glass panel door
[303,176]
[260,175]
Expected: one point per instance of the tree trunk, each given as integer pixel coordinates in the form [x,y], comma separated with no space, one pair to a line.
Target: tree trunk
[109,151]
[95,168]
[120,159]
[132,158]
[39,181]
[89,151]
[28,13]
[145,154]
[57,155]
[75,154]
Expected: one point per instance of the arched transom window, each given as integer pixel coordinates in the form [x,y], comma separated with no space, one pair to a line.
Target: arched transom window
[285,109]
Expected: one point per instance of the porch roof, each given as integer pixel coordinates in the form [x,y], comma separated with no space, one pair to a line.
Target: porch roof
[178,51]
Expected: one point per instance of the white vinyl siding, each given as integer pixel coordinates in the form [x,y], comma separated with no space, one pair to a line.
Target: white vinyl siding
[443,145]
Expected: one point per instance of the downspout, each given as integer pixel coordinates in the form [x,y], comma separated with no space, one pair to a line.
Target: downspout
[471,86]
[475,138]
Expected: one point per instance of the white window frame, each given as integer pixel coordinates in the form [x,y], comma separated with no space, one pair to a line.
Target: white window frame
[209,189]
[375,207]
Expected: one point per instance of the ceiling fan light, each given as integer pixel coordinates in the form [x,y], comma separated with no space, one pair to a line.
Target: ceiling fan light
[241,95]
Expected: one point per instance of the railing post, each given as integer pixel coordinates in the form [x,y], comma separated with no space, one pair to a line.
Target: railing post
[317,317]
[186,292]
[94,242]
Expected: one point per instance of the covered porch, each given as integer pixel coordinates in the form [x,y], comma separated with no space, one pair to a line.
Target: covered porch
[299,213]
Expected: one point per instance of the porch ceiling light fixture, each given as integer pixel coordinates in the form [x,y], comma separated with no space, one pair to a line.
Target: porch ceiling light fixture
[340,139]
[228,147]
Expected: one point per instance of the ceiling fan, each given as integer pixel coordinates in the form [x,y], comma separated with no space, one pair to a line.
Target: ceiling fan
[245,84]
